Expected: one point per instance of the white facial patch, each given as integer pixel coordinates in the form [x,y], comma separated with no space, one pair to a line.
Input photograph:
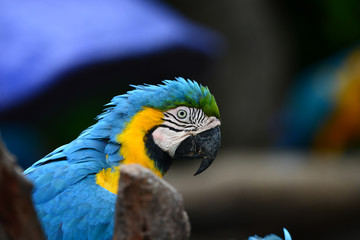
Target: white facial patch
[180,123]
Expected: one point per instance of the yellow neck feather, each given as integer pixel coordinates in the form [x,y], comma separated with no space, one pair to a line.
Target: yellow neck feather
[132,147]
[132,138]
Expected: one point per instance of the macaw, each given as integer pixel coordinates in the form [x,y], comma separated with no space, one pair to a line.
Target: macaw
[75,186]
[322,111]
[272,236]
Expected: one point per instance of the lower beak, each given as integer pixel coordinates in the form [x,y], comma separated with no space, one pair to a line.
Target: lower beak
[204,145]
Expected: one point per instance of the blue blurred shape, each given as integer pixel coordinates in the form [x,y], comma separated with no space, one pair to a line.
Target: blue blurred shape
[309,103]
[39,40]
[273,236]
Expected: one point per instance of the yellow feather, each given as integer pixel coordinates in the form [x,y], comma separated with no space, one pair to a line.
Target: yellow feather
[109,179]
[132,138]
[132,147]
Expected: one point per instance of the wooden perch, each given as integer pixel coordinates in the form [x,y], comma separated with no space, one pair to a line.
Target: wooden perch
[18,219]
[148,208]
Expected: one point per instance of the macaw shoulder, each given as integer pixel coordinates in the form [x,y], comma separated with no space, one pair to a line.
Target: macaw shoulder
[64,167]
[82,211]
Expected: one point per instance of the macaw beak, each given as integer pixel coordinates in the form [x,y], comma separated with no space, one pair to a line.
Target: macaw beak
[204,145]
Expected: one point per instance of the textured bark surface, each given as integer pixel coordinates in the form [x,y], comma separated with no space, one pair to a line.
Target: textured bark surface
[18,219]
[148,208]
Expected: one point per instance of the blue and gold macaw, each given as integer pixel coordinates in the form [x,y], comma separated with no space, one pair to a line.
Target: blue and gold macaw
[75,186]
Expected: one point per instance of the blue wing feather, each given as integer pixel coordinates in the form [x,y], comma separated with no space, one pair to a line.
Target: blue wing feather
[89,214]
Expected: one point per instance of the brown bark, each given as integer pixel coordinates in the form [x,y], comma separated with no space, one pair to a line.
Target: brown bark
[148,208]
[18,218]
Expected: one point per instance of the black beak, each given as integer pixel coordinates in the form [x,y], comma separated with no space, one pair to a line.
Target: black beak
[204,145]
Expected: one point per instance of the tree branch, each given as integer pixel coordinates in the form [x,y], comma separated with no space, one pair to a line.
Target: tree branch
[18,219]
[148,208]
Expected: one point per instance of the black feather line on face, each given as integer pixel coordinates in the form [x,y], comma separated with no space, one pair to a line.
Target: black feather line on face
[161,158]
[171,128]
[179,125]
[177,119]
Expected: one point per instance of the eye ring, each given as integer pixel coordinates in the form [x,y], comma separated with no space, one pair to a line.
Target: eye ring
[181,114]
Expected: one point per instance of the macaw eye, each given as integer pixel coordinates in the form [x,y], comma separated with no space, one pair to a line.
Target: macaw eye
[181,114]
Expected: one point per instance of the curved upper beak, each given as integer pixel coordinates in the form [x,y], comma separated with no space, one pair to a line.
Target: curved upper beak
[204,145]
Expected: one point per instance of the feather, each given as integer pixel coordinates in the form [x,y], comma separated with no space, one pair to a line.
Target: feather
[272,236]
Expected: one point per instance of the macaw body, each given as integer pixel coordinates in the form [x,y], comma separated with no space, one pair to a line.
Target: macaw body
[75,186]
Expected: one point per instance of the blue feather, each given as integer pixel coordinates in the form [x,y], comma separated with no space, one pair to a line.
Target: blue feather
[272,236]
[112,147]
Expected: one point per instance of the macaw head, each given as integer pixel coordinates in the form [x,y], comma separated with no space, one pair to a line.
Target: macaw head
[155,124]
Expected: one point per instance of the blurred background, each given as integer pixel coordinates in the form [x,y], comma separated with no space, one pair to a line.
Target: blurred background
[286,76]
